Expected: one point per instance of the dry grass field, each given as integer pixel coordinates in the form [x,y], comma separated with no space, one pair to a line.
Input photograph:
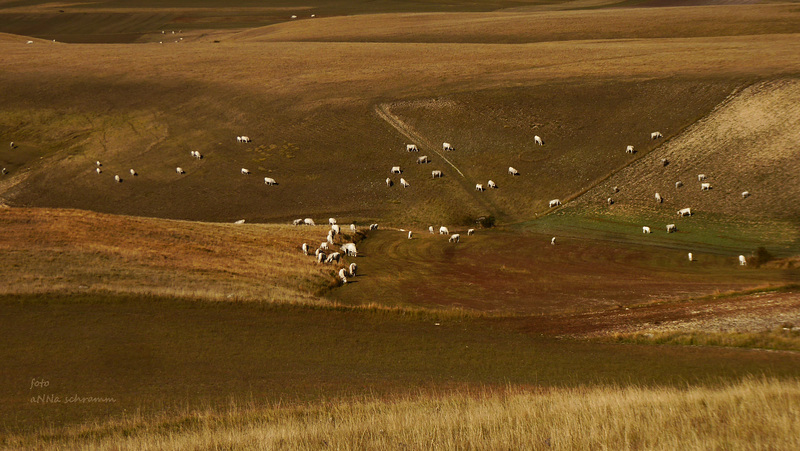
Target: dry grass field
[145,291]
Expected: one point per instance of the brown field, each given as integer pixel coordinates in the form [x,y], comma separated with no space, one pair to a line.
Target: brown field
[114,289]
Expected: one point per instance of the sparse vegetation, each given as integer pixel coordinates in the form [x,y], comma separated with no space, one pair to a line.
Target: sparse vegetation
[784,338]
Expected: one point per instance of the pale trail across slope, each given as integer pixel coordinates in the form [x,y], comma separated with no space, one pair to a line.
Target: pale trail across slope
[405,130]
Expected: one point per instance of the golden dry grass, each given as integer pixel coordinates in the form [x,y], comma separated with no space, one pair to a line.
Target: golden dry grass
[52,250]
[751,414]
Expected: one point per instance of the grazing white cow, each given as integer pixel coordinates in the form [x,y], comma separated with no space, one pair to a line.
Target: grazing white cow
[97,163]
[396,170]
[373,226]
[305,248]
[470,232]
[353,228]
[512,171]
[180,170]
[4,171]
[308,221]
[334,257]
[685,212]
[610,201]
[479,187]
[443,231]
[645,229]
[701,177]
[12,144]
[492,184]
[198,155]
[245,171]
[743,261]
[243,139]
[691,257]
[29,42]
[455,238]
[430,229]
[656,135]
[555,203]
[336,229]
[320,256]
[436,174]
[409,234]
[329,237]
[664,162]
[447,146]
[343,275]
[422,159]
[324,246]
[745,194]
[538,140]
[134,173]
[671,228]
[99,170]
[297,222]
[389,182]
[353,268]
[553,241]
[411,148]
[615,189]
[659,199]
[349,249]
[404,183]
[331,221]
[270,181]
[678,184]
[629,150]
[294,17]
[705,186]
[117,179]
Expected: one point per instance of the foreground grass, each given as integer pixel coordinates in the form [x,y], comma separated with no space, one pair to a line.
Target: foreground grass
[750,414]
[778,339]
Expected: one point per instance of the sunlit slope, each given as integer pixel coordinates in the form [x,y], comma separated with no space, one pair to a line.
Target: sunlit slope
[539,26]
[748,144]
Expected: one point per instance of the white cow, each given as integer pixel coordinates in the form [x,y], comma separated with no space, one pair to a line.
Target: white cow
[470,232]
[331,221]
[324,246]
[349,249]
[343,275]
[4,171]
[436,174]
[305,248]
[422,159]
[645,229]
[320,256]
[117,179]
[743,261]
[701,177]
[411,148]
[336,229]
[685,212]
[671,228]
[656,135]
[245,171]
[455,238]
[538,140]
[297,222]
[198,155]
[99,170]
[409,234]
[404,183]
[12,144]
[240,221]
[270,181]
[430,229]
[389,182]
[443,231]
[678,184]
[180,170]
[245,139]
[308,221]
[705,186]
[353,228]
[555,203]
[610,201]
[745,194]
[396,170]
[334,257]
[553,241]
[659,199]
[629,150]
[329,237]
[615,189]
[512,171]
[691,257]
[133,173]
[492,184]
[97,163]
[479,187]
[373,226]
[353,269]
[447,146]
